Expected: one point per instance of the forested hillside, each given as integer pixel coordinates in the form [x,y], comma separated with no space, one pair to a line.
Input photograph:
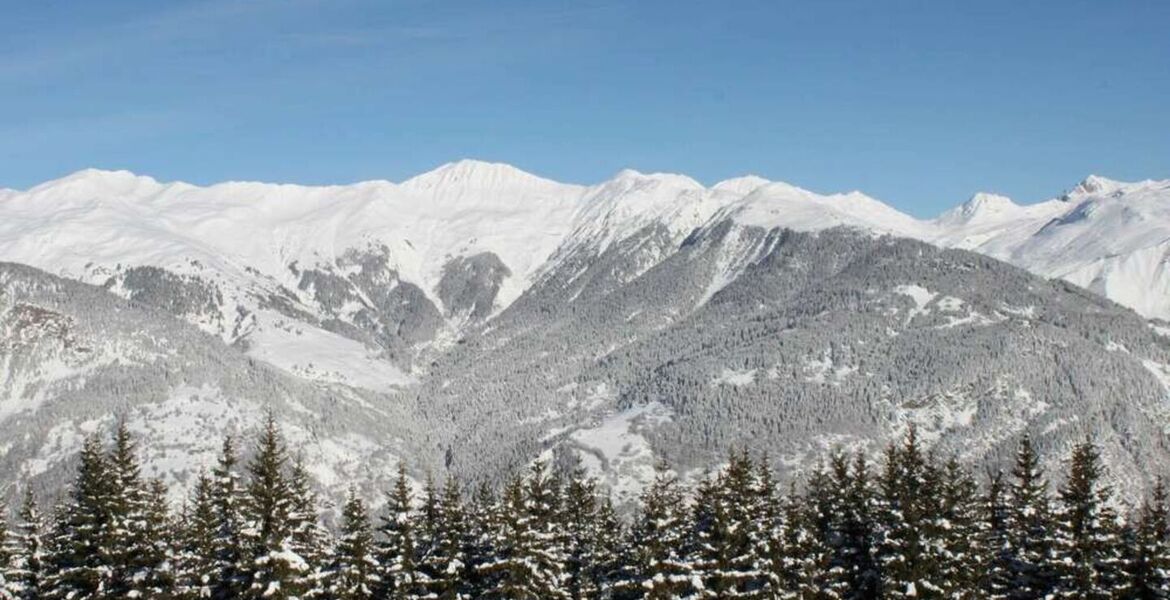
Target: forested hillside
[654,349]
[914,524]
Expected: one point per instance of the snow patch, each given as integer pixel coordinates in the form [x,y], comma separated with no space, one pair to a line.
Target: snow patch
[617,452]
[735,377]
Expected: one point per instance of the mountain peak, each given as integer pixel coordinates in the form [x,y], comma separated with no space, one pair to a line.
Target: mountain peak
[674,179]
[741,185]
[1093,185]
[981,207]
[99,180]
[474,173]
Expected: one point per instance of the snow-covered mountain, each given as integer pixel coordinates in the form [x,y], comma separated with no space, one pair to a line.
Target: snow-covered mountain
[1107,236]
[499,315]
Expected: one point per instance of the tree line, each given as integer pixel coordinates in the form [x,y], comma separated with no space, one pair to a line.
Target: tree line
[909,526]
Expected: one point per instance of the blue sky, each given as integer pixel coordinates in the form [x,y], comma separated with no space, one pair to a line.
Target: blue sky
[917,103]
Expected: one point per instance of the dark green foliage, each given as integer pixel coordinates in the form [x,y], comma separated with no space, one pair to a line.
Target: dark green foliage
[1088,554]
[660,568]
[274,570]
[397,550]
[1030,540]
[914,527]
[196,554]
[1147,551]
[24,550]
[353,571]
[227,505]
[81,548]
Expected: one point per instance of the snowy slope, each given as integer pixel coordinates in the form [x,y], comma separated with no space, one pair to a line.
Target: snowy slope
[1110,237]
[464,241]
[514,307]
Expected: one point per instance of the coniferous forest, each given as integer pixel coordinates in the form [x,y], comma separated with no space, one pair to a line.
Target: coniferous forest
[909,525]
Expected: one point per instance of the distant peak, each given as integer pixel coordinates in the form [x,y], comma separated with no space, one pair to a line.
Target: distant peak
[674,179]
[981,207]
[119,181]
[478,173]
[986,201]
[741,185]
[783,188]
[1093,185]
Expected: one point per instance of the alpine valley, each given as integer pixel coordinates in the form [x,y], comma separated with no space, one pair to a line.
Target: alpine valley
[476,317]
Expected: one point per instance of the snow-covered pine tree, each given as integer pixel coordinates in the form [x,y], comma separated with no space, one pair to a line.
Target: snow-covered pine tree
[706,522]
[127,564]
[8,583]
[1030,572]
[196,568]
[546,555]
[527,562]
[155,546]
[446,559]
[81,543]
[802,553]
[308,539]
[397,553]
[609,551]
[910,522]
[995,520]
[482,518]
[27,566]
[854,571]
[724,531]
[1147,561]
[1087,543]
[353,570]
[428,516]
[578,526]
[767,533]
[230,573]
[962,555]
[660,570]
[275,570]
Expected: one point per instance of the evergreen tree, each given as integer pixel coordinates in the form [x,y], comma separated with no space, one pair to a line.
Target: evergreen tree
[446,559]
[963,555]
[82,541]
[397,552]
[541,509]
[767,541]
[307,535]
[1029,543]
[854,572]
[995,515]
[353,573]
[230,551]
[915,525]
[154,546]
[724,530]
[527,562]
[196,558]
[1147,565]
[607,556]
[126,563]
[275,571]
[1088,545]
[801,553]
[482,517]
[8,583]
[660,570]
[578,523]
[28,563]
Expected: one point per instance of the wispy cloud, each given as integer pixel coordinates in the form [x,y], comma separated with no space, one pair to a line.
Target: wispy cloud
[41,55]
[91,130]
